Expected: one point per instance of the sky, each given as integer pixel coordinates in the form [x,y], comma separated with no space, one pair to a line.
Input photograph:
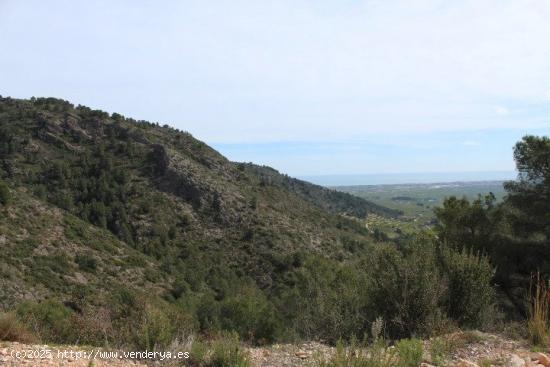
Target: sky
[310,87]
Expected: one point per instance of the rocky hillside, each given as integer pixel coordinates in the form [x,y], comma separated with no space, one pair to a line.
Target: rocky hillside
[102,205]
[127,234]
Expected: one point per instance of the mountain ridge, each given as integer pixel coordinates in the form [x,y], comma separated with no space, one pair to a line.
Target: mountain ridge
[108,210]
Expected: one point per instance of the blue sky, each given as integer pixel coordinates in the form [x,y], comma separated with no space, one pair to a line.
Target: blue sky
[308,87]
[389,153]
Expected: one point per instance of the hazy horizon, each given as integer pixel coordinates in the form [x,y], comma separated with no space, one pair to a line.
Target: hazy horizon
[408,178]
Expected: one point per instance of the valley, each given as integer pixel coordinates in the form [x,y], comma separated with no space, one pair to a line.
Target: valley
[417,200]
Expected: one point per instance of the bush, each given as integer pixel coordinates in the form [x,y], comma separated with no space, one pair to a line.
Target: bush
[49,320]
[153,330]
[94,326]
[251,315]
[410,352]
[141,324]
[224,351]
[405,288]
[407,353]
[439,351]
[124,319]
[86,262]
[198,352]
[470,294]
[328,300]
[12,330]
[228,352]
[208,312]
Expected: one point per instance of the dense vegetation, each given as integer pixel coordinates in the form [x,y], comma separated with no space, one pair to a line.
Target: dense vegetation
[514,233]
[120,231]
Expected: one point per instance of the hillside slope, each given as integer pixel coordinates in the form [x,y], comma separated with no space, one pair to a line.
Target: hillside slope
[103,205]
[331,200]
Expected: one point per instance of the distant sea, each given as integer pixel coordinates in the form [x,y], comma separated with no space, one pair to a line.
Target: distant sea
[408,178]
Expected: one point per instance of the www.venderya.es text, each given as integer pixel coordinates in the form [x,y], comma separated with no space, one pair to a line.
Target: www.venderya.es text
[96,354]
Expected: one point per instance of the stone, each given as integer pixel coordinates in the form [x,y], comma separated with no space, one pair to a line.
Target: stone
[542,359]
[301,354]
[515,361]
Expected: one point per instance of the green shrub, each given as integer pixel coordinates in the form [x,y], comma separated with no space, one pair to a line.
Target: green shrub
[251,315]
[409,352]
[198,353]
[328,300]
[228,352]
[405,288]
[86,262]
[141,324]
[440,350]
[470,294]
[154,329]
[50,320]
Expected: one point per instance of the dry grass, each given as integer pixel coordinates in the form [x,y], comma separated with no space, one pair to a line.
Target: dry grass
[538,322]
[13,330]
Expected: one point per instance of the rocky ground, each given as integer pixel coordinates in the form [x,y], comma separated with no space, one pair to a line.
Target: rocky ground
[463,349]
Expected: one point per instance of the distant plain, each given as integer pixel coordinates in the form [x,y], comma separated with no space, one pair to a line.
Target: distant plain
[417,201]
